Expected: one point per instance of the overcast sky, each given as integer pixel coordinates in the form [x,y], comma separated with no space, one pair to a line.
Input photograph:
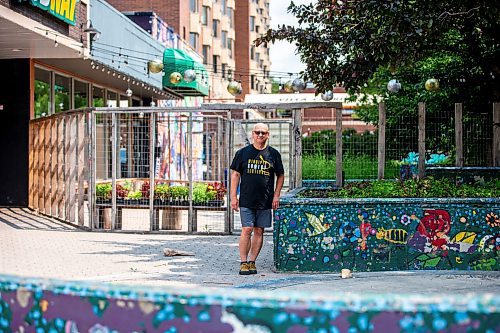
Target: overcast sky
[283,58]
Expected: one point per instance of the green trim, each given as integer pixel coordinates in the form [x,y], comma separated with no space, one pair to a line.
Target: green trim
[175,60]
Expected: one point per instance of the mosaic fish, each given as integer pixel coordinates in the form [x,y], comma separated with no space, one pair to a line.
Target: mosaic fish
[317,224]
[398,236]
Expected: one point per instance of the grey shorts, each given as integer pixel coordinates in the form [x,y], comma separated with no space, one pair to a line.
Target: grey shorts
[260,218]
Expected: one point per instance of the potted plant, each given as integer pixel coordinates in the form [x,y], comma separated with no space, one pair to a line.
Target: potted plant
[179,195]
[103,193]
[163,194]
[219,192]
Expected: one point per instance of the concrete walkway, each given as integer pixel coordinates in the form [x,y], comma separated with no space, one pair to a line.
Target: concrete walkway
[32,245]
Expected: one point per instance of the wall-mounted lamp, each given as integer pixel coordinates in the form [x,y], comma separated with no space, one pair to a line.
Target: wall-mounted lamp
[94,33]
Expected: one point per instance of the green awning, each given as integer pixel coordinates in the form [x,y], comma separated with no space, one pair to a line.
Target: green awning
[175,60]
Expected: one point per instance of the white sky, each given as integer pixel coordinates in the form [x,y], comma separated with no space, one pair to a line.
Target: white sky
[282,53]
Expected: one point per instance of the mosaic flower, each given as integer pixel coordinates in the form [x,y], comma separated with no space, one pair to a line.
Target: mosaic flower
[405,219]
[98,328]
[349,232]
[492,219]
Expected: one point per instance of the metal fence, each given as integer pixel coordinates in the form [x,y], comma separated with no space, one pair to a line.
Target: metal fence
[453,137]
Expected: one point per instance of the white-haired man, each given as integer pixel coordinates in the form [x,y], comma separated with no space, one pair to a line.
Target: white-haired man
[254,168]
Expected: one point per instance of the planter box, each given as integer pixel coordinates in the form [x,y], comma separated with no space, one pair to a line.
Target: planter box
[386,234]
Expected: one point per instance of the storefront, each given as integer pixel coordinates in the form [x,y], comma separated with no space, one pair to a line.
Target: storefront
[48,66]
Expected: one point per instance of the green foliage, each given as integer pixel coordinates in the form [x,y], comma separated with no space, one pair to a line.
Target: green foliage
[355,167]
[162,191]
[353,144]
[347,42]
[413,188]
[179,192]
[201,193]
[134,195]
[103,190]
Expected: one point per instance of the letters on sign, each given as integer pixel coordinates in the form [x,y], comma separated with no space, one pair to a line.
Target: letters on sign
[62,9]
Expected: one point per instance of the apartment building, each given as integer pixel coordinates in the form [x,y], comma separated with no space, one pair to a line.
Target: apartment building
[252,63]
[222,31]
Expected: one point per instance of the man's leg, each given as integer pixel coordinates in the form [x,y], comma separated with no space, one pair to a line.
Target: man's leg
[257,240]
[245,242]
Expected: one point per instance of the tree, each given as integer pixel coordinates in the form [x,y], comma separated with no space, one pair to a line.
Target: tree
[347,42]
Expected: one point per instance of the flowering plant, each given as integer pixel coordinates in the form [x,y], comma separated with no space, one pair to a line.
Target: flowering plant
[219,189]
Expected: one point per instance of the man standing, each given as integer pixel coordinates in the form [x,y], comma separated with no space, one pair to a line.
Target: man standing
[254,168]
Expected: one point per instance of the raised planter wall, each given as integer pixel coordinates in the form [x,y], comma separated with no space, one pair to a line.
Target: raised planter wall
[57,306]
[313,235]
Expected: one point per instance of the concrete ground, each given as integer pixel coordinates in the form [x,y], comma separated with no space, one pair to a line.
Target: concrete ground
[33,245]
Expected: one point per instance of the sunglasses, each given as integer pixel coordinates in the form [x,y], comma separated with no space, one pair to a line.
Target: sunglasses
[260,133]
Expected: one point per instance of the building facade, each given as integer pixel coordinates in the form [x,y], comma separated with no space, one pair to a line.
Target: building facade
[222,31]
[47,67]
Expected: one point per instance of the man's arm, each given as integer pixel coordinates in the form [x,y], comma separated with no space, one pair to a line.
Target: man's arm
[235,181]
[280,179]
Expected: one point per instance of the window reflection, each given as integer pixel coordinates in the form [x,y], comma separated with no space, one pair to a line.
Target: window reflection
[81,94]
[61,93]
[42,93]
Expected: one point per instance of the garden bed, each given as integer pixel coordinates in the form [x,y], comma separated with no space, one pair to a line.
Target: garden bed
[379,234]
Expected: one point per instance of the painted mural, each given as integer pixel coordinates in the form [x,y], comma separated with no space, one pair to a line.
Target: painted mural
[64,307]
[385,234]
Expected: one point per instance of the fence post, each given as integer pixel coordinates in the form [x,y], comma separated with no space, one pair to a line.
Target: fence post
[496,134]
[152,173]
[421,140]
[297,152]
[459,135]
[381,140]
[114,134]
[338,147]
[230,142]
[93,220]
[191,225]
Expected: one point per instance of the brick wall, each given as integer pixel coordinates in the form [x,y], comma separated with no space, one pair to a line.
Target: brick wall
[167,10]
[48,20]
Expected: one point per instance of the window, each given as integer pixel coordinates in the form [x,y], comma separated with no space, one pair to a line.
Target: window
[252,81]
[193,40]
[257,56]
[205,13]
[215,28]
[193,6]
[252,52]
[252,23]
[223,7]
[223,70]
[62,93]
[229,74]
[230,14]
[230,44]
[223,37]
[215,63]
[205,53]
[42,93]
[257,28]
[97,96]
[81,94]
[112,99]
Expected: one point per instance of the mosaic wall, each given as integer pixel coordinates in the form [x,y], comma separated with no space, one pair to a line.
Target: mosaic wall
[41,306]
[387,234]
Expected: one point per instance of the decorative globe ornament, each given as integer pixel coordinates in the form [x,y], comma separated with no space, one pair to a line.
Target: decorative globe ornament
[128,92]
[234,88]
[431,85]
[298,85]
[393,86]
[175,77]
[327,96]
[155,66]
[288,87]
[189,75]
[152,104]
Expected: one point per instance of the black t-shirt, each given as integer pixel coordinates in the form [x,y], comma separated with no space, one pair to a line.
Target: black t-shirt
[258,169]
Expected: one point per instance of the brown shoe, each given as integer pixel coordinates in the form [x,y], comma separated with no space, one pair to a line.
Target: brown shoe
[252,268]
[244,268]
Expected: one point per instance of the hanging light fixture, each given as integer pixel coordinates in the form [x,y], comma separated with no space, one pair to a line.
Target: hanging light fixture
[234,88]
[393,86]
[432,85]
[189,75]
[155,66]
[175,77]
[288,87]
[327,95]
[298,85]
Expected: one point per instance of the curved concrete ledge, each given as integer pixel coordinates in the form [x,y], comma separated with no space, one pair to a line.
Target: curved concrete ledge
[59,306]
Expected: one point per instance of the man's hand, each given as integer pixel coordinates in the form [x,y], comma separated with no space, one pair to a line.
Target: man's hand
[276,202]
[235,204]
